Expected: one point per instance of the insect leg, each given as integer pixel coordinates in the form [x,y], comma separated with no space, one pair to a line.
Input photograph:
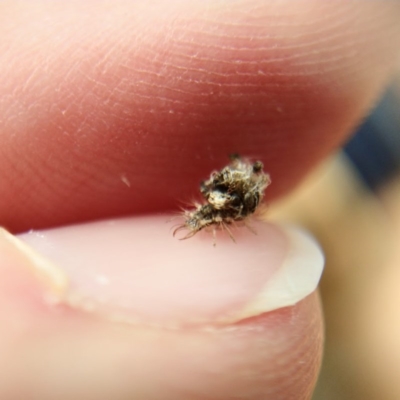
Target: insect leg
[225,226]
[249,227]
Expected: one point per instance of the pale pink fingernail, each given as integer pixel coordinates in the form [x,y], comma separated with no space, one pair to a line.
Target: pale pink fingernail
[134,270]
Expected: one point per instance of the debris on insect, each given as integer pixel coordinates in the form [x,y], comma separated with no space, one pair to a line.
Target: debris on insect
[231,195]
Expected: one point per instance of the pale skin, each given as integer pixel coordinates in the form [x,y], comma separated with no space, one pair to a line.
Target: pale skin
[90,89]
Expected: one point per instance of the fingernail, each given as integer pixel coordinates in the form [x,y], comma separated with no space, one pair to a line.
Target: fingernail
[15,253]
[134,270]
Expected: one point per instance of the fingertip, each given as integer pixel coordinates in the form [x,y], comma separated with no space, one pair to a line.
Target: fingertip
[161,100]
[269,355]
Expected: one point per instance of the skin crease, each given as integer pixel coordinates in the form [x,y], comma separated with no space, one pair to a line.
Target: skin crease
[160,93]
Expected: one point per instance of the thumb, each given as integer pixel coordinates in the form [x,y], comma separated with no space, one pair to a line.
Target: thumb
[141,315]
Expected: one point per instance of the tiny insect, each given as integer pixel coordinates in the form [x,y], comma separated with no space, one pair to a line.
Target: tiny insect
[230,195]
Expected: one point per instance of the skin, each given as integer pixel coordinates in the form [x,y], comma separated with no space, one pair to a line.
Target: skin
[160,93]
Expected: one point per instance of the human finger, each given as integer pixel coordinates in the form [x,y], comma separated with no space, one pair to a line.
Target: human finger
[115,110]
[133,313]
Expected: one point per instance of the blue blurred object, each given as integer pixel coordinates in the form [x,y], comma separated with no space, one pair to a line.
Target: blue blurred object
[375,148]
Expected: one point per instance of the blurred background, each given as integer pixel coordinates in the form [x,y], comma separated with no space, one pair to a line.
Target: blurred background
[352,205]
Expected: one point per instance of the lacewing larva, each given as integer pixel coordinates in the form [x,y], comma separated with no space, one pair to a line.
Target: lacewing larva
[230,195]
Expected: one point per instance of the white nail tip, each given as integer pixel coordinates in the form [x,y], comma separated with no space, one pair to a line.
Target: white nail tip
[296,279]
